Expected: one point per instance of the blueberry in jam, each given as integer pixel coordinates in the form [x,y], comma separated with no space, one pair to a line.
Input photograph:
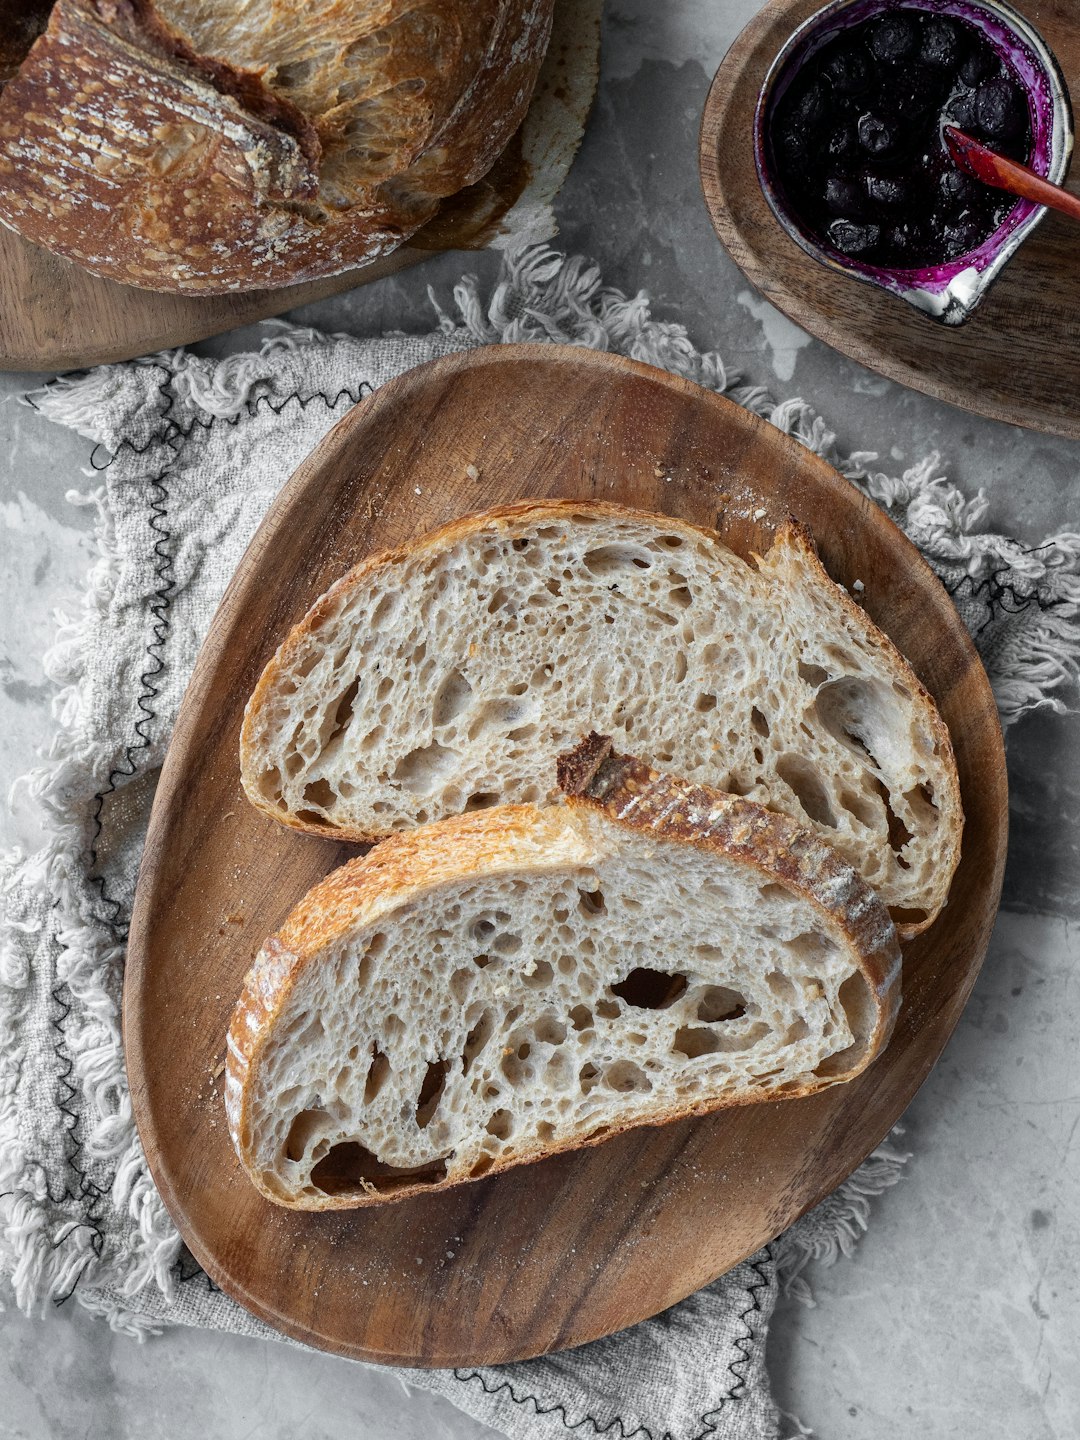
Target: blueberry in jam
[889,192]
[940,46]
[893,38]
[843,140]
[854,239]
[857,138]
[999,111]
[849,72]
[977,65]
[844,196]
[877,136]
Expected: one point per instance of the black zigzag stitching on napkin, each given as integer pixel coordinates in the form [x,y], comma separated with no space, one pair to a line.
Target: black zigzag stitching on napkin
[159,608]
[188,1268]
[270,402]
[743,1343]
[88,1195]
[996,594]
[173,435]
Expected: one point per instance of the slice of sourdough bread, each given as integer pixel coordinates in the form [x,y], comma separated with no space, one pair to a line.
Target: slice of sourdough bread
[494,988]
[447,675]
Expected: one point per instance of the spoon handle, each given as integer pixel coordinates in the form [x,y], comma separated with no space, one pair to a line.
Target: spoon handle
[1005,174]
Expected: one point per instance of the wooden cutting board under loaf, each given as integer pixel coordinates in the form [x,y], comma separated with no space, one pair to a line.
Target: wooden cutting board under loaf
[55,316]
[558,1253]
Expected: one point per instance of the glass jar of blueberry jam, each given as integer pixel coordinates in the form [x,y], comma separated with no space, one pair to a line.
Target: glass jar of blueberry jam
[856,138]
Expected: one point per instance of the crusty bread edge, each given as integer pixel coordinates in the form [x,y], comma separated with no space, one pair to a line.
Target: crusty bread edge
[503,76]
[381,882]
[797,537]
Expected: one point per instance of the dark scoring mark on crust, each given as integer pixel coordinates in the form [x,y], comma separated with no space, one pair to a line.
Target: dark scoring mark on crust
[138,22]
[576,769]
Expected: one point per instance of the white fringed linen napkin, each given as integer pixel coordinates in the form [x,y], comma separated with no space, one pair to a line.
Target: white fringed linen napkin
[191,453]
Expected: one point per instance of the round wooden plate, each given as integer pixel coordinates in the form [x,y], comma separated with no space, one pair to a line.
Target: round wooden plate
[1017,359]
[558,1253]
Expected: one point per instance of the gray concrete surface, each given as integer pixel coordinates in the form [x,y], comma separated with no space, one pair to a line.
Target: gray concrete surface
[958,1315]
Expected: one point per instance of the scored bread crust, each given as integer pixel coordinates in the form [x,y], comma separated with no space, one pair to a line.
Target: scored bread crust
[523,840]
[792,552]
[295,141]
[594,777]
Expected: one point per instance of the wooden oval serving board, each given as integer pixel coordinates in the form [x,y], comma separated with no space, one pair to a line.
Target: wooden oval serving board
[1017,359]
[558,1253]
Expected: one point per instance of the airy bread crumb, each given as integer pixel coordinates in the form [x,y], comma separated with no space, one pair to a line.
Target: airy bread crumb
[447,676]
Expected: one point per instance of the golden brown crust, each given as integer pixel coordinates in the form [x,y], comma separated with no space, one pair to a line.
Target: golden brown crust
[639,797]
[265,987]
[516,838]
[463,148]
[150,164]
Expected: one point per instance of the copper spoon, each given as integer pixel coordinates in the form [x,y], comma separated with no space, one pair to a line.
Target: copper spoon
[993,169]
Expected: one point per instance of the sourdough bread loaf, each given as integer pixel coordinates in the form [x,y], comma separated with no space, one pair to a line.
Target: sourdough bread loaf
[209,146]
[448,675]
[497,987]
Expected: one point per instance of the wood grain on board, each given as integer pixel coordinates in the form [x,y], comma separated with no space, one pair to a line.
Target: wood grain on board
[1017,359]
[558,1253]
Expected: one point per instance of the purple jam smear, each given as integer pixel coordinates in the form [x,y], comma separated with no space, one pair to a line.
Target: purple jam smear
[856,138]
